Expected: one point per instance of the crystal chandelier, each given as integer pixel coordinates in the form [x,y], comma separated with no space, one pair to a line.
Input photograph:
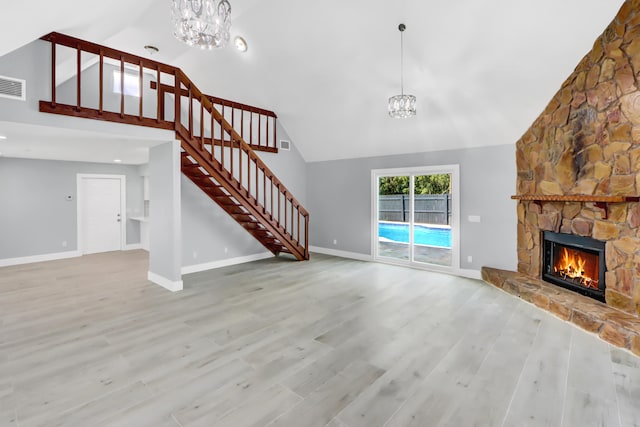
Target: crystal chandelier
[202,23]
[402,106]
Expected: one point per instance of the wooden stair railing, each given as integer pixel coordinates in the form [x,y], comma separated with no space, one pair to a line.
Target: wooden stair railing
[215,156]
[258,124]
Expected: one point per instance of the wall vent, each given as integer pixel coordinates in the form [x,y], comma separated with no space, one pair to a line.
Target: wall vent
[285,145]
[13,88]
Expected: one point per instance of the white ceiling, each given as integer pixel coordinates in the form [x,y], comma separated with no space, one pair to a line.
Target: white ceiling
[482,71]
[42,142]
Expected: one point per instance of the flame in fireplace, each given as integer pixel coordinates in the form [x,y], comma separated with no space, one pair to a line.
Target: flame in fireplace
[571,265]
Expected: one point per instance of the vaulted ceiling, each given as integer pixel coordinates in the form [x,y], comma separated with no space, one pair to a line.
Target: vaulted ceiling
[482,71]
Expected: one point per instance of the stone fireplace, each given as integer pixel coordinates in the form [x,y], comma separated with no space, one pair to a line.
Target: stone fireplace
[587,143]
[578,175]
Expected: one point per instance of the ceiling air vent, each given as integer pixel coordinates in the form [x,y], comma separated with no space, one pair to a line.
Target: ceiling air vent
[285,145]
[13,88]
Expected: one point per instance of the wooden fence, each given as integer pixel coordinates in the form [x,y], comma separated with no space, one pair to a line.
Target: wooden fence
[429,209]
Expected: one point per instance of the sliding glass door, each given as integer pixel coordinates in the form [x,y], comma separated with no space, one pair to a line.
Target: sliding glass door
[416,216]
[394,211]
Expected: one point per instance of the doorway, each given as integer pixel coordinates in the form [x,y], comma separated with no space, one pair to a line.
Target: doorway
[415,217]
[101,207]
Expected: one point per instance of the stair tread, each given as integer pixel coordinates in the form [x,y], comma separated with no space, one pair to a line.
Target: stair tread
[202,177]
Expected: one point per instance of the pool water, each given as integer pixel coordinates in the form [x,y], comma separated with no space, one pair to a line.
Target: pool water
[423,235]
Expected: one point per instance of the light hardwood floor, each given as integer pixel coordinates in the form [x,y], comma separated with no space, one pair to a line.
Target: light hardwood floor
[329,342]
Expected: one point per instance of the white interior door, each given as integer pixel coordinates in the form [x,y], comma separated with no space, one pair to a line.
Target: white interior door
[101,214]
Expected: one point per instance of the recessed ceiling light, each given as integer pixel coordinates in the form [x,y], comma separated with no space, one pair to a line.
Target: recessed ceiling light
[241,44]
[3,137]
[151,50]
[117,160]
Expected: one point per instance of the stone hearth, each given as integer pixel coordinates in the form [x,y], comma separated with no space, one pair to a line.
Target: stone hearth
[612,325]
[586,143]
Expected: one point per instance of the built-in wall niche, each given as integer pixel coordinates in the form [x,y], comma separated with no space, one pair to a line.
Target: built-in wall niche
[144,218]
[145,195]
[145,180]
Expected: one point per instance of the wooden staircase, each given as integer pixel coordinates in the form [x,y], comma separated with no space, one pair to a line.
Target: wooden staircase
[215,155]
[231,204]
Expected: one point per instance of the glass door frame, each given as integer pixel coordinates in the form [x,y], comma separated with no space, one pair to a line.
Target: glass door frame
[454,172]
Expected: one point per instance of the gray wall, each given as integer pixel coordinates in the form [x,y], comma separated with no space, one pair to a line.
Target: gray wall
[340,202]
[36,217]
[207,230]
[487,181]
[288,166]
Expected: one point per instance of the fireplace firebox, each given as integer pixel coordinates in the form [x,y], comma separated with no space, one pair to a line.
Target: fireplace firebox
[574,262]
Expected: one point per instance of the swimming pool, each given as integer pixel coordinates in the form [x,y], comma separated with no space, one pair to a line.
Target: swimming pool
[423,235]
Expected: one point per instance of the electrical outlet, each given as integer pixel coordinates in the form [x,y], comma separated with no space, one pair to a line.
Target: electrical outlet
[469,258]
[64,243]
[195,254]
[335,241]
[226,250]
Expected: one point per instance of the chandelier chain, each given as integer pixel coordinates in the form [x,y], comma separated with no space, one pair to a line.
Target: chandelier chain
[402,60]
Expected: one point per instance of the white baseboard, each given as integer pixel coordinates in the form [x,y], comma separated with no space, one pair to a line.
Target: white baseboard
[470,274]
[224,263]
[341,254]
[39,258]
[164,282]
[133,247]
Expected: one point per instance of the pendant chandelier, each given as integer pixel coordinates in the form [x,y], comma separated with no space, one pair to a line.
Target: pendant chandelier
[202,23]
[402,106]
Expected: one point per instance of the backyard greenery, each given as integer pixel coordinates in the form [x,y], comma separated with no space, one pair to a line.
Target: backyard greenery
[424,184]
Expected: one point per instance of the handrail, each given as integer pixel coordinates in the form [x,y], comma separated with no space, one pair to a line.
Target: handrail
[221,101]
[256,183]
[241,106]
